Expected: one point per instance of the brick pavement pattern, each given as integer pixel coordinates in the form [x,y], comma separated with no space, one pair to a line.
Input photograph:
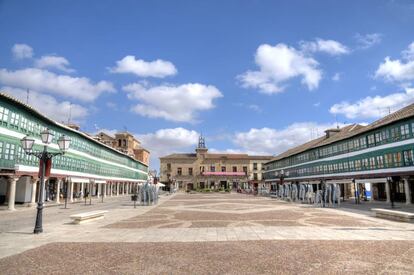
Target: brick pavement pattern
[215,234]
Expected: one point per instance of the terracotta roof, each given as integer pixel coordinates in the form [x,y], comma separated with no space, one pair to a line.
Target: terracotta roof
[216,156]
[227,156]
[348,132]
[100,134]
[179,156]
[260,157]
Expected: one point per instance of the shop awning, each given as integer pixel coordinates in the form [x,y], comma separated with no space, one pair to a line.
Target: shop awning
[224,174]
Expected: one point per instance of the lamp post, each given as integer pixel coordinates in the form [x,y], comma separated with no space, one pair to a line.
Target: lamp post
[44,156]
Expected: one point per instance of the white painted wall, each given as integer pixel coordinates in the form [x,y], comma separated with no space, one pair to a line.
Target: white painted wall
[23,190]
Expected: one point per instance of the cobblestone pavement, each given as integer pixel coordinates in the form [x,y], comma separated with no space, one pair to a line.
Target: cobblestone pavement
[215,234]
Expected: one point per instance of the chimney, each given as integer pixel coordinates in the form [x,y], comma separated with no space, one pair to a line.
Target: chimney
[331,132]
[73,126]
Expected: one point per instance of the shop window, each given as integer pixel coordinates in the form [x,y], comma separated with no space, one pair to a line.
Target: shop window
[14,119]
[408,157]
[388,160]
[356,144]
[397,159]
[371,140]
[4,114]
[9,151]
[405,130]
[380,161]
[395,133]
[363,142]
[365,164]
[351,145]
[372,163]
[378,138]
[357,164]
[23,123]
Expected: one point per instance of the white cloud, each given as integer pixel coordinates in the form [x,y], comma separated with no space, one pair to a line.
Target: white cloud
[175,103]
[168,141]
[48,105]
[278,64]
[22,51]
[110,132]
[268,141]
[42,80]
[255,108]
[374,107]
[53,61]
[158,68]
[331,47]
[408,54]
[226,151]
[368,40]
[398,70]
[336,77]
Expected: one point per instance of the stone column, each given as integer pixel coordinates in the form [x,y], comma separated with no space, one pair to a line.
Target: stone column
[70,191]
[388,191]
[104,189]
[111,189]
[58,183]
[117,188]
[12,192]
[99,193]
[371,185]
[34,186]
[407,191]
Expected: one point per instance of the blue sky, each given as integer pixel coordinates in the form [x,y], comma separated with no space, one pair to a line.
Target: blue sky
[252,76]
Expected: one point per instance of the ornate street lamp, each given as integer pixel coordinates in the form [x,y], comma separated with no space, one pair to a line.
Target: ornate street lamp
[44,156]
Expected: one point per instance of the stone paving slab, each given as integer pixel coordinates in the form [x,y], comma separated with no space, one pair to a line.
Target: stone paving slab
[242,257]
[230,233]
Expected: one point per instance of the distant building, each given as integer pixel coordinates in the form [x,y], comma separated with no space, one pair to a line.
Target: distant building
[126,143]
[105,139]
[206,170]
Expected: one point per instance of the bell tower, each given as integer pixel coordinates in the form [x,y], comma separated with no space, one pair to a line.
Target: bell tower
[201,148]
